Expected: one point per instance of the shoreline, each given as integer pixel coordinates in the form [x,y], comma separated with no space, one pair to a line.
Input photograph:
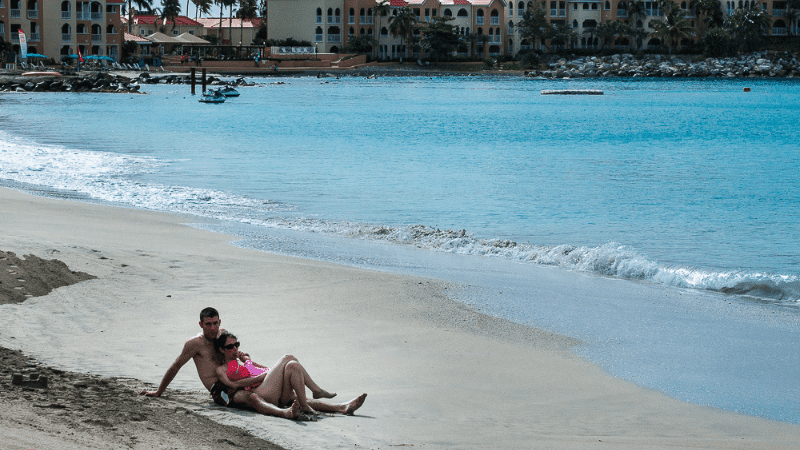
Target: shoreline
[438,373]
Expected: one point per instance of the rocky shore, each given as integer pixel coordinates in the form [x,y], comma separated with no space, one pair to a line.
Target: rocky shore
[99,82]
[626,65]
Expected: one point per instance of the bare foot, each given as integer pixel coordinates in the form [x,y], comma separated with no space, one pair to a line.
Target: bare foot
[292,412]
[309,410]
[322,393]
[354,404]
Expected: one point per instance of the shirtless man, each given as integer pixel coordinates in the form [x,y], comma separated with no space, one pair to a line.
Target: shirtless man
[201,349]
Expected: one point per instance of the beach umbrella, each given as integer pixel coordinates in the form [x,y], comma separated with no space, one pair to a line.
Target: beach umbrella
[107,58]
[91,57]
[71,56]
[35,55]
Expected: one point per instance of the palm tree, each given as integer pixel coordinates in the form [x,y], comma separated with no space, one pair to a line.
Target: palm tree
[534,25]
[382,8]
[248,10]
[636,11]
[201,6]
[402,24]
[793,15]
[171,10]
[709,14]
[748,27]
[140,4]
[674,27]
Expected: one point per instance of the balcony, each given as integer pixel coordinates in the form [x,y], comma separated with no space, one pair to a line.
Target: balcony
[779,12]
[66,37]
[366,20]
[779,31]
[351,20]
[318,38]
[97,38]
[332,19]
[33,14]
[66,15]
[83,15]
[334,38]
[494,21]
[97,16]
[36,36]
[319,19]
[562,12]
[479,20]
[622,13]
[15,37]
[16,13]
[553,12]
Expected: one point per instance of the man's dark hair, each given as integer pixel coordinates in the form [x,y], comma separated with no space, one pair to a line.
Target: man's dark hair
[208,312]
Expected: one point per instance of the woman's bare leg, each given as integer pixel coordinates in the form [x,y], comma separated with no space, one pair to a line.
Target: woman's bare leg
[345,408]
[294,386]
[254,401]
[316,391]
[271,389]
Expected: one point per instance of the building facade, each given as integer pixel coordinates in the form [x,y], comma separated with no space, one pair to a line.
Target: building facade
[58,28]
[488,27]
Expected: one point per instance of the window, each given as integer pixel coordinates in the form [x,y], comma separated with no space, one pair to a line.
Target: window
[608,5]
[447,12]
[463,13]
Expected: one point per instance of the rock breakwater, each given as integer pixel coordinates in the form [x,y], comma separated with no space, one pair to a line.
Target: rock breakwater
[101,82]
[626,65]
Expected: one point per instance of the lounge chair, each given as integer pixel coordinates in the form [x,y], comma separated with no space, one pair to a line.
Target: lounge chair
[147,68]
[23,65]
[41,64]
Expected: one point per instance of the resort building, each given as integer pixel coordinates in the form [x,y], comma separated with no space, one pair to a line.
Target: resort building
[59,28]
[488,27]
[146,25]
[233,31]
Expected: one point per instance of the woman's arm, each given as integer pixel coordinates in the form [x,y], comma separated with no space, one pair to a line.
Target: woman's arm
[222,374]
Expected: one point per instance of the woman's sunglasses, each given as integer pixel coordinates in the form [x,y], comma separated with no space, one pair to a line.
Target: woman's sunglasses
[231,346]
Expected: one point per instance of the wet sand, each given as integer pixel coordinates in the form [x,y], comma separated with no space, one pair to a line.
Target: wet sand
[438,374]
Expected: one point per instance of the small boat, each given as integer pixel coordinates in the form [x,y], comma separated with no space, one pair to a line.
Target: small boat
[212,97]
[228,91]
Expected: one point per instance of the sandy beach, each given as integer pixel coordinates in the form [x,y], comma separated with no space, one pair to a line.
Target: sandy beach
[438,374]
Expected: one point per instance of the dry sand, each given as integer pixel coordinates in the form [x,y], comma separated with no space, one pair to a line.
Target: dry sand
[438,374]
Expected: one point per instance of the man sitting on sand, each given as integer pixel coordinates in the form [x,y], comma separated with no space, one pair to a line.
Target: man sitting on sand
[200,348]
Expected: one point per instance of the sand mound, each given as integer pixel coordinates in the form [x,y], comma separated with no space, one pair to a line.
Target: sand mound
[33,277]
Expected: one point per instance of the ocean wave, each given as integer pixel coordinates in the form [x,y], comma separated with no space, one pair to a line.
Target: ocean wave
[110,177]
[610,259]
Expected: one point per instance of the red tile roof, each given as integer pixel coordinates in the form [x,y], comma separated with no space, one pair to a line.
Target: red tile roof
[150,20]
[397,3]
[460,2]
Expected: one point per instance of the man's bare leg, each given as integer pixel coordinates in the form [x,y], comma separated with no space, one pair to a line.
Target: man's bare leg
[252,400]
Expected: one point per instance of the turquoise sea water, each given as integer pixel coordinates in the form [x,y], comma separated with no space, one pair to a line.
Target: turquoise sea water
[667,209]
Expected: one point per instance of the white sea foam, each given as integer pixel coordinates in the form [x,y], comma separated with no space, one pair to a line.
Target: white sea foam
[611,259]
[111,177]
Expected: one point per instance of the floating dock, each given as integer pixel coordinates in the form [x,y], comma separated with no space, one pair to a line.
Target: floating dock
[573,92]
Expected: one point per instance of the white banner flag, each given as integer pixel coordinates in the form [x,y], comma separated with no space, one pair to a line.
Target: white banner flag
[23,45]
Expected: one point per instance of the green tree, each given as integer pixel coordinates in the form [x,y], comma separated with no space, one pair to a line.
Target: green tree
[201,6]
[718,42]
[141,4]
[674,27]
[608,31]
[534,25]
[793,15]
[748,28]
[248,10]
[359,44]
[441,38]
[381,9]
[562,36]
[636,11]
[402,24]
[709,15]
[170,11]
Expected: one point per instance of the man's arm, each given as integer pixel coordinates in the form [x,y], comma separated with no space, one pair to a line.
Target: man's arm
[189,350]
